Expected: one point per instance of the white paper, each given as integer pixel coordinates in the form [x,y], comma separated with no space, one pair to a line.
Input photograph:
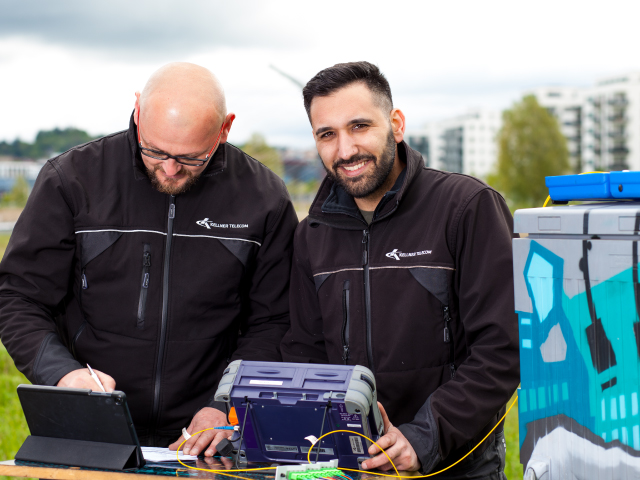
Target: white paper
[312,439]
[156,454]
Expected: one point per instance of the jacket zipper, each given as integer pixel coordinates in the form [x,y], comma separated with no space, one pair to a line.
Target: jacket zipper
[367,295]
[449,340]
[165,312]
[144,287]
[84,286]
[345,322]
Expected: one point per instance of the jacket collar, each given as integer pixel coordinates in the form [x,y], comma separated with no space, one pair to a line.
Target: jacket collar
[335,207]
[216,165]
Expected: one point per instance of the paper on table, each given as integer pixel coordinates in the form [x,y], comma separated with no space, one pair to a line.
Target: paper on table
[156,454]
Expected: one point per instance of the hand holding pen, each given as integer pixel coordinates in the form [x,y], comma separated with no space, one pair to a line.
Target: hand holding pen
[88,378]
[95,377]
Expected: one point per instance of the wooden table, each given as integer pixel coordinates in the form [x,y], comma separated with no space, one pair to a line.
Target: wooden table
[61,472]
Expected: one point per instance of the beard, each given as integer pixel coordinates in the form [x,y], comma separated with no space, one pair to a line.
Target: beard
[171,187]
[363,186]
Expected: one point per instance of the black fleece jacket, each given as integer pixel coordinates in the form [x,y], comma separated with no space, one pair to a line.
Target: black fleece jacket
[423,296]
[159,292]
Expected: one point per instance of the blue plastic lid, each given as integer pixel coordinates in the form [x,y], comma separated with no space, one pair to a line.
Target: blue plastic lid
[570,180]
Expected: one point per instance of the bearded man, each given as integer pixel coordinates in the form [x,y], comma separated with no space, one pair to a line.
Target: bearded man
[408,271]
[157,255]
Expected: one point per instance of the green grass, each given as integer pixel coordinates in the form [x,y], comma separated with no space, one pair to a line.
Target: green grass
[13,427]
[513,468]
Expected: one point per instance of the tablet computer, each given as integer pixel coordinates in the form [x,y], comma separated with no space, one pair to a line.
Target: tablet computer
[78,427]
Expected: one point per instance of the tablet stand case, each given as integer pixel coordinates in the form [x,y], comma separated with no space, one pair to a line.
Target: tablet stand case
[78,427]
[79,453]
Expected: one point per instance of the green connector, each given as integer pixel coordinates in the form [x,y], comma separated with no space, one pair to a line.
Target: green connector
[314,474]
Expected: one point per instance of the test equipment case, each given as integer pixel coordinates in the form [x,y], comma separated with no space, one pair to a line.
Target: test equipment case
[282,408]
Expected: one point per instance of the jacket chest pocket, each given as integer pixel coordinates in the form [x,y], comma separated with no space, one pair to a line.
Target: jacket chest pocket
[118,282]
[436,282]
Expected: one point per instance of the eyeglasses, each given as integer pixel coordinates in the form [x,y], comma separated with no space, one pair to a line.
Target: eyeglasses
[189,161]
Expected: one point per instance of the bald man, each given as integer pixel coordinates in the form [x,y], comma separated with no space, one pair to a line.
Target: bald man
[156,255]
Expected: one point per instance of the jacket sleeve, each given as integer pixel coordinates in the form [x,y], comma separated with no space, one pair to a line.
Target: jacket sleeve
[267,306]
[304,342]
[35,276]
[483,284]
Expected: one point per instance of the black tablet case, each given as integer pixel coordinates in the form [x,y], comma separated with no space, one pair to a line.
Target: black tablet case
[78,427]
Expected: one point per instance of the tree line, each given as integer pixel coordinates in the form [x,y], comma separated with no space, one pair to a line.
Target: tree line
[530,147]
[47,144]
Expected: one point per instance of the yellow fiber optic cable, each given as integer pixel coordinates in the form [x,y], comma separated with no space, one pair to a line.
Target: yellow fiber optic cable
[418,476]
[224,472]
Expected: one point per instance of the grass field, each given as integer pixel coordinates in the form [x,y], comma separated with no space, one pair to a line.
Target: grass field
[13,428]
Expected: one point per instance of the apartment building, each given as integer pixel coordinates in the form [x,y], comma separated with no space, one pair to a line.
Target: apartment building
[463,144]
[566,105]
[601,122]
[611,127]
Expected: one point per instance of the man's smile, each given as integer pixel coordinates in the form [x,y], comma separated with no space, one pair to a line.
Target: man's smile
[356,169]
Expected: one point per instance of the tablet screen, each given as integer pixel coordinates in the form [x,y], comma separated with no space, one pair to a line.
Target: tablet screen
[77,414]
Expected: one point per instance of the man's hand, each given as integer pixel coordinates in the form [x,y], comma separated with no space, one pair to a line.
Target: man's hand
[205,418]
[397,447]
[81,378]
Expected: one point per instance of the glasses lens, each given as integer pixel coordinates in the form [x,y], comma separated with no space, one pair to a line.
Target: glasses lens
[154,154]
[193,162]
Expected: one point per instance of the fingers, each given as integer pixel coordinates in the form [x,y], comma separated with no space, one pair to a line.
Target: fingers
[385,418]
[211,451]
[79,379]
[398,449]
[108,382]
[198,443]
[222,434]
[385,442]
[174,446]
[381,461]
[226,461]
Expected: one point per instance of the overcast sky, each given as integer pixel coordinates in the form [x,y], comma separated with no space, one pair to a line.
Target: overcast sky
[78,63]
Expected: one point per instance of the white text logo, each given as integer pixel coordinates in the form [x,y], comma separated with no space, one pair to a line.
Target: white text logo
[397,254]
[209,224]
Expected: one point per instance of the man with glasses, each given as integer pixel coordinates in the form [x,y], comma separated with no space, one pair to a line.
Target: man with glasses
[156,255]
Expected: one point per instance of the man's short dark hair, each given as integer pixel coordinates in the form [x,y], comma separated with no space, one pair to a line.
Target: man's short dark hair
[341,75]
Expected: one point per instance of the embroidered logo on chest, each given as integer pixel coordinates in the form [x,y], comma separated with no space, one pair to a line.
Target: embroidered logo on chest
[397,254]
[208,224]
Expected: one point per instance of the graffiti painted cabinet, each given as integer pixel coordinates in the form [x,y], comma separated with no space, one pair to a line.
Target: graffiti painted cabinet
[578,301]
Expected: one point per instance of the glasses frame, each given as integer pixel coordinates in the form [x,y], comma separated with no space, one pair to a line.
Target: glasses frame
[181,159]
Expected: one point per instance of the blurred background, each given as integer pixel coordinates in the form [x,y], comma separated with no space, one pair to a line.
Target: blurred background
[506,91]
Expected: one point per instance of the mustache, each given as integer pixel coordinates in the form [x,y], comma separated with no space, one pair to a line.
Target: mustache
[353,160]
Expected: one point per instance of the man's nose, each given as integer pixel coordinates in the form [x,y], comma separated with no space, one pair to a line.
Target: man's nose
[346,147]
[171,167]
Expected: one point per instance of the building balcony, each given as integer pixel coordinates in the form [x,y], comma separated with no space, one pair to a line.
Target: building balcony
[617,134]
[595,133]
[618,102]
[618,150]
[617,118]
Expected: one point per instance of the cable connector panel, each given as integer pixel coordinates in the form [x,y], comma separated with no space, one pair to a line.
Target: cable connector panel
[308,471]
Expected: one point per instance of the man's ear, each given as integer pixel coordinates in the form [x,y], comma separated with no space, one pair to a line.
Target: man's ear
[228,121]
[136,109]
[398,124]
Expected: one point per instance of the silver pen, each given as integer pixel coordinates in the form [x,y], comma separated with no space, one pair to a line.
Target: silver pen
[95,377]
